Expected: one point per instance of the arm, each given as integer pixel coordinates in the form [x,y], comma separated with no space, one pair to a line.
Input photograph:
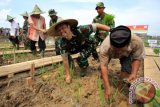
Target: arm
[102,27]
[32,25]
[66,65]
[135,67]
[104,74]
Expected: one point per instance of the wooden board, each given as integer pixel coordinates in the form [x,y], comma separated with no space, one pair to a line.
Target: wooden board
[23,51]
[149,51]
[151,69]
[21,46]
[23,66]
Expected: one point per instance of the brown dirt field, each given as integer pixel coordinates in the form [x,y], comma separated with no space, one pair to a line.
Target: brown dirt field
[50,90]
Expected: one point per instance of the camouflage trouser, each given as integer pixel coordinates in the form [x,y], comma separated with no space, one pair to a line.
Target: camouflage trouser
[26,41]
[57,40]
[126,64]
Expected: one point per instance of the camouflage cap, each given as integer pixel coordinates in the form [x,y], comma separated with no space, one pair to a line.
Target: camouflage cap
[99,4]
[52,12]
[24,14]
[9,17]
[37,10]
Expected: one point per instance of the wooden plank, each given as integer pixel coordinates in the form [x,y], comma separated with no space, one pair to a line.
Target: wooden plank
[21,46]
[151,70]
[24,51]
[157,61]
[149,51]
[23,66]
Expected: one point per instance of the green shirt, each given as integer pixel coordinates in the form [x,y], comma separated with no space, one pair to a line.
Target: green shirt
[106,19]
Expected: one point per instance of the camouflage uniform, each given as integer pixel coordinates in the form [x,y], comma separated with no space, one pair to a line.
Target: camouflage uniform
[51,23]
[25,33]
[106,19]
[81,42]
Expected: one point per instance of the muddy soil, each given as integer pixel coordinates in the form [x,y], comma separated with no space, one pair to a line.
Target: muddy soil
[50,90]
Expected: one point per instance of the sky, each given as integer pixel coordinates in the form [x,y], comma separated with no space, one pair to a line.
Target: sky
[126,12]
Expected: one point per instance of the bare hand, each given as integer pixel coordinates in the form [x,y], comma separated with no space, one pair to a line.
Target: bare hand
[132,77]
[43,30]
[107,93]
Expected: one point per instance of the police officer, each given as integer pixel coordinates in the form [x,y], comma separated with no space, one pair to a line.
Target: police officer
[103,18]
[75,39]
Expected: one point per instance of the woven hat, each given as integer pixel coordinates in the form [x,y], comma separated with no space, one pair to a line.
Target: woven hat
[24,14]
[120,36]
[9,17]
[52,30]
[52,12]
[37,10]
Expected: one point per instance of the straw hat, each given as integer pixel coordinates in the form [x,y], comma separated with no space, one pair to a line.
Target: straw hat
[9,17]
[52,31]
[37,10]
[24,14]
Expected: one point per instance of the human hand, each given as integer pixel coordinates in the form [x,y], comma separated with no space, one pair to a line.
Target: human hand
[42,30]
[132,77]
[107,94]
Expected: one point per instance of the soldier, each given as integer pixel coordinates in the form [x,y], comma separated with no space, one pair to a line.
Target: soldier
[36,30]
[53,15]
[14,32]
[103,18]
[125,46]
[25,30]
[75,39]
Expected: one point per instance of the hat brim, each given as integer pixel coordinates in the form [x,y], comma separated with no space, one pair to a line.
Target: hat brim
[10,19]
[24,15]
[52,31]
[32,13]
[53,14]
[100,7]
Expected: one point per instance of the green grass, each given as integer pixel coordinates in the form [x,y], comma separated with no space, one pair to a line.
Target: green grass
[101,92]
[156,50]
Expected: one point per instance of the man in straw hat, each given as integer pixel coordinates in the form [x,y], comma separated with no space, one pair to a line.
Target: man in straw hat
[75,40]
[128,48]
[103,18]
[36,30]
[25,30]
[14,32]
[53,15]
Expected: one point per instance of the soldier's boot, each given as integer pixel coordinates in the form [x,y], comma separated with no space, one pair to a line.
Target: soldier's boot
[83,72]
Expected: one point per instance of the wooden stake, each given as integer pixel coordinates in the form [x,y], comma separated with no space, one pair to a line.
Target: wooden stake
[32,70]
[10,76]
[29,83]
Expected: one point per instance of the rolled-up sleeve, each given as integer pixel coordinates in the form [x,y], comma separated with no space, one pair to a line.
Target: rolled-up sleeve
[104,52]
[138,49]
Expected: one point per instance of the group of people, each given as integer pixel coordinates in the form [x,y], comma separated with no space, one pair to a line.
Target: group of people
[115,42]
